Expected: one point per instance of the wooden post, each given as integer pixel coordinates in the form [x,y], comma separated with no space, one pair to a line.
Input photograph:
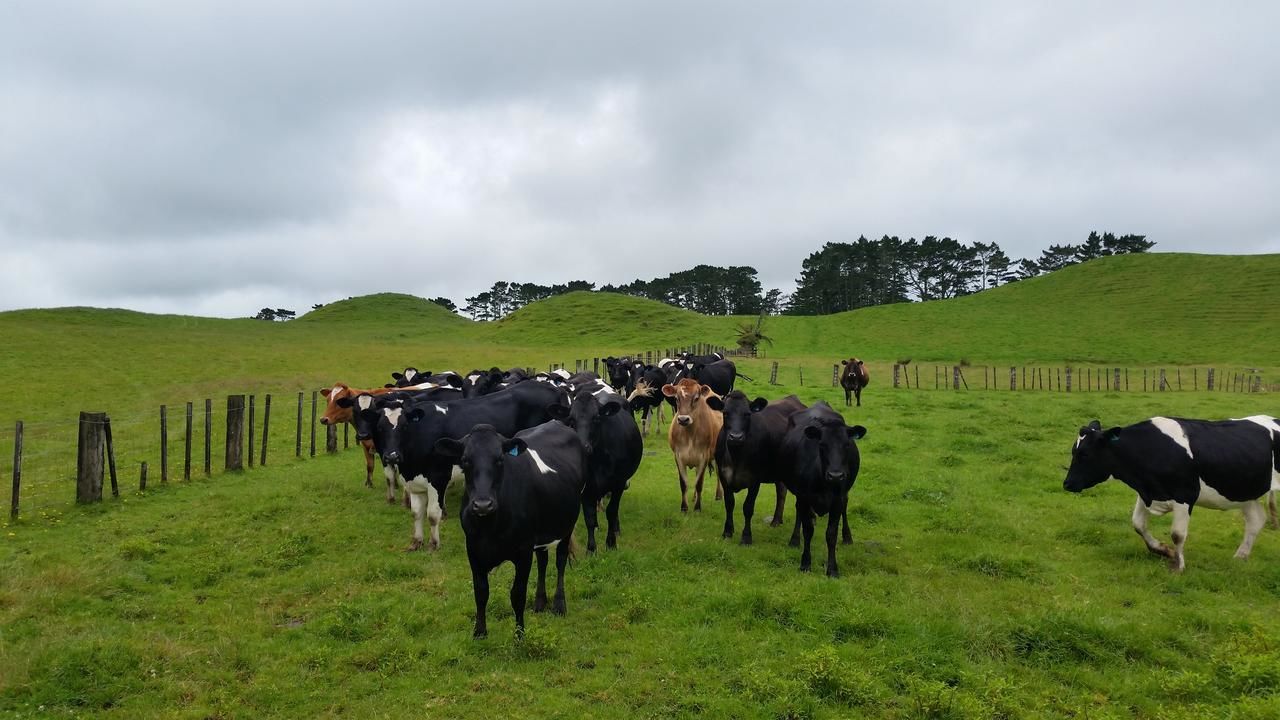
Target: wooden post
[297,449]
[1013,378]
[266,423]
[1126,379]
[801,376]
[208,434]
[1163,382]
[186,464]
[89,457]
[235,433]
[331,438]
[17,470]
[1068,374]
[164,445]
[1179,378]
[314,400]
[111,458]
[1117,379]
[773,374]
[1208,380]
[835,375]
[1144,379]
[895,374]
[1195,378]
[251,419]
[142,477]
[917,377]
[346,436]
[955,377]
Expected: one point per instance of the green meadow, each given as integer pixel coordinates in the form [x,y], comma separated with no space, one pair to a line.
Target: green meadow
[975,586]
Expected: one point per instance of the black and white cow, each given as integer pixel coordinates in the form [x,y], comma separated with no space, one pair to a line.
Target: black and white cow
[819,462]
[482,382]
[412,376]
[614,448]
[747,452]
[521,498]
[364,418]
[646,395]
[1175,465]
[702,359]
[405,434]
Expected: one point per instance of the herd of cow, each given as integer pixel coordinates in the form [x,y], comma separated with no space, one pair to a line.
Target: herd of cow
[536,450]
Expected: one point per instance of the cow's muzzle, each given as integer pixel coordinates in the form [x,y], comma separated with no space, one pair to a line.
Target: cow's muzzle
[684,419]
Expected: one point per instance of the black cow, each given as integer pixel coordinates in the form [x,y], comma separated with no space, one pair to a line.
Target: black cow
[702,359]
[619,372]
[719,375]
[1175,464]
[521,497]
[819,462]
[646,394]
[747,452]
[614,448]
[405,434]
[482,382]
[853,379]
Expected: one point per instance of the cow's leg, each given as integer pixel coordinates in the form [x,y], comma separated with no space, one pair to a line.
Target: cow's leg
[802,511]
[846,536]
[520,590]
[848,400]
[697,488]
[728,515]
[1181,519]
[562,560]
[1271,510]
[540,595]
[418,503]
[1254,519]
[779,507]
[390,472]
[1141,514]
[684,486]
[435,510]
[644,420]
[611,514]
[367,446]
[795,531]
[834,521]
[480,588]
[858,393]
[748,509]
[590,506]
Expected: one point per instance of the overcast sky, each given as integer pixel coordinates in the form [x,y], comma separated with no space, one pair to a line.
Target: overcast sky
[213,158]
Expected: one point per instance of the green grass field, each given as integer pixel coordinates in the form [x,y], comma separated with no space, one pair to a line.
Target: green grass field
[975,587]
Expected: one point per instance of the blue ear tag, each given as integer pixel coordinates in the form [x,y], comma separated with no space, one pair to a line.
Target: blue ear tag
[513,452]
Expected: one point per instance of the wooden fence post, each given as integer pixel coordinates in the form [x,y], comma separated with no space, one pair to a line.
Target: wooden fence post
[142,477]
[314,400]
[1144,379]
[208,434]
[1013,378]
[17,470]
[346,436]
[111,458]
[251,419]
[186,463]
[1163,382]
[773,374]
[801,376]
[955,377]
[835,375]
[895,374]
[1208,380]
[297,449]
[89,454]
[235,433]
[164,444]
[266,424]
[330,438]
[1195,378]
[1117,380]
[1068,374]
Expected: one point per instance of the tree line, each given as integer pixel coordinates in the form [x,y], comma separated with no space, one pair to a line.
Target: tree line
[840,276]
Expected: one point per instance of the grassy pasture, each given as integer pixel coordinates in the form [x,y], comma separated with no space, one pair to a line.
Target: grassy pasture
[975,586]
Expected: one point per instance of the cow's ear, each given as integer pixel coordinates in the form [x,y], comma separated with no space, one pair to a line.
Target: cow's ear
[1112,435]
[844,362]
[514,446]
[1093,425]
[325,392]
[388,385]
[397,376]
[813,432]
[759,404]
[857,432]
[715,403]
[558,412]
[453,381]
[345,402]
[448,447]
[610,408]
[415,414]
[495,370]
[704,391]
[669,390]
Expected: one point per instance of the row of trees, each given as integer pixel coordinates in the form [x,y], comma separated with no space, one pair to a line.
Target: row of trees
[841,276]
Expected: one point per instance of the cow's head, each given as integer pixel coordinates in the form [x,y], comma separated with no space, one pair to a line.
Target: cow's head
[410,376]
[619,373]
[688,395]
[481,382]
[737,411]
[1091,458]
[585,415]
[335,414]
[480,454]
[836,449]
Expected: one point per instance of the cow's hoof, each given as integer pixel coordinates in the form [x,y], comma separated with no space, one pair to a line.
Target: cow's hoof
[368,483]
[434,546]
[805,567]
[684,508]
[793,542]
[539,605]
[746,540]
[846,541]
[480,633]
[558,607]
[413,546]
[611,544]
[727,534]
[391,500]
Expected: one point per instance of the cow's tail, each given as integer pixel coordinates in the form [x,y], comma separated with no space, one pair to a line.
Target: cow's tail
[748,378]
[573,545]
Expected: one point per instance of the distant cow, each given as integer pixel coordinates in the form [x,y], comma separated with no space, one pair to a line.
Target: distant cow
[692,435]
[645,395]
[618,371]
[482,382]
[1175,464]
[521,497]
[614,448]
[853,379]
[747,452]
[819,463]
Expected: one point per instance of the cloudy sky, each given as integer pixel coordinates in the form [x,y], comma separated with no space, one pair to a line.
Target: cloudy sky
[216,157]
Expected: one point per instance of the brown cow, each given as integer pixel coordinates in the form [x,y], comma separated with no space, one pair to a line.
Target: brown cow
[336,415]
[853,379]
[692,435]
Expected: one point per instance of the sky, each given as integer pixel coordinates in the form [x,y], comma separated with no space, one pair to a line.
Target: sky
[214,158]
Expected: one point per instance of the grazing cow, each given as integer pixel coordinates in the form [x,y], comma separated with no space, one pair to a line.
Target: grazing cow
[747,452]
[819,463]
[482,382]
[1175,464]
[853,378]
[692,435]
[405,434]
[335,412]
[614,448]
[521,497]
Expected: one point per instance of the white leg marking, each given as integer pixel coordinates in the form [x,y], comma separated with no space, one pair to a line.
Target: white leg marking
[1254,518]
[1140,517]
[544,468]
[1175,432]
[435,510]
[1181,519]
[418,501]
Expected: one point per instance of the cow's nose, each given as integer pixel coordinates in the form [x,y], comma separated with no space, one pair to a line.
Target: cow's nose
[391,458]
[482,507]
[737,437]
[835,476]
[324,421]
[684,419]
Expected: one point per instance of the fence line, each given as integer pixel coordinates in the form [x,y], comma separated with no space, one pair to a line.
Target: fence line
[1075,378]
